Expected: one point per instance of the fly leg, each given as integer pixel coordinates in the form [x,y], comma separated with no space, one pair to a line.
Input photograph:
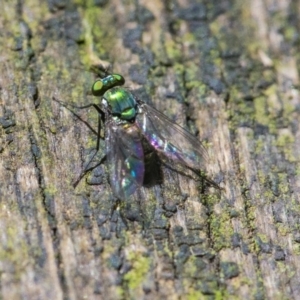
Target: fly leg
[68,106]
[101,118]
[87,169]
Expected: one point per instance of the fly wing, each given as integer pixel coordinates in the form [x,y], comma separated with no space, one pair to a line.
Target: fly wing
[170,139]
[125,159]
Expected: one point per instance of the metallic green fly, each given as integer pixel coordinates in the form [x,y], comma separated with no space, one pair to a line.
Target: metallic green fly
[129,124]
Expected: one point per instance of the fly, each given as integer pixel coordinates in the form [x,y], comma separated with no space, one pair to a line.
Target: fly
[128,121]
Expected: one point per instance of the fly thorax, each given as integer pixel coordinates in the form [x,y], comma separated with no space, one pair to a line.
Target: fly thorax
[121,103]
[128,114]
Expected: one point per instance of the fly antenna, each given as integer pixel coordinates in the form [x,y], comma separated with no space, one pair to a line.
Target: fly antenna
[100,70]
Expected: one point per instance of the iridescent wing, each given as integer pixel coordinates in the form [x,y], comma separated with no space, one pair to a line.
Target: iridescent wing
[125,158]
[170,139]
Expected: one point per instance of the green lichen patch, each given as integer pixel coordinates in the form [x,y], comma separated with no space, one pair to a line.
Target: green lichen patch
[140,268]
[221,230]
[99,35]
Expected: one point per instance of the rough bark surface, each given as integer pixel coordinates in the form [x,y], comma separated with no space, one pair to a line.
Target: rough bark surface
[226,70]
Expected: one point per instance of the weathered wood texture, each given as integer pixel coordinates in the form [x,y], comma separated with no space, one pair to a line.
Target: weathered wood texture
[226,69]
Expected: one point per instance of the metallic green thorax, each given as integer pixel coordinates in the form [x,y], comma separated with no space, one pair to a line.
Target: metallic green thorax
[121,103]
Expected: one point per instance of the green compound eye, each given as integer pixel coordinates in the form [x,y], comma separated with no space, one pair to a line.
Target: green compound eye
[97,88]
[119,78]
[106,83]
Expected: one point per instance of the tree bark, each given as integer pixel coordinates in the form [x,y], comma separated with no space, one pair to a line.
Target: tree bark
[228,71]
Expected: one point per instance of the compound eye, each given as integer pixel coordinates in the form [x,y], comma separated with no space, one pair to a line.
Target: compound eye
[97,89]
[120,79]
